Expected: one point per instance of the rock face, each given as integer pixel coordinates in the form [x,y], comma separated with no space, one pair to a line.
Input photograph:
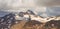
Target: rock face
[53,24]
[27,12]
[7,21]
[30,12]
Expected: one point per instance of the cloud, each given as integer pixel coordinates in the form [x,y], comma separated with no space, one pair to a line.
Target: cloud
[17,6]
[48,3]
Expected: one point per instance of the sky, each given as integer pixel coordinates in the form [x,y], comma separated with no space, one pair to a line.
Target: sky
[53,11]
[41,7]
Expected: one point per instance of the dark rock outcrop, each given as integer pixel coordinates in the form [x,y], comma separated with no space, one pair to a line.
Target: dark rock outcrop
[7,21]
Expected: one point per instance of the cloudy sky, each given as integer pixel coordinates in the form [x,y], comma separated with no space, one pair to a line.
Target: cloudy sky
[41,7]
[48,2]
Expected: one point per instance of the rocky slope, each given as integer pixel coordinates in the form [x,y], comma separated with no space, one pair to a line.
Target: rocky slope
[28,20]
